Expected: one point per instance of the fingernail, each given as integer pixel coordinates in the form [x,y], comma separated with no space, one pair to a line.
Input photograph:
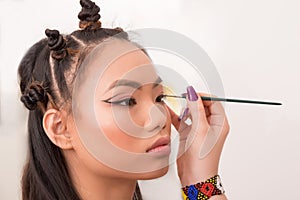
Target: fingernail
[192,95]
[183,114]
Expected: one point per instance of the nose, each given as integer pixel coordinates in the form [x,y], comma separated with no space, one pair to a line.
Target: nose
[156,121]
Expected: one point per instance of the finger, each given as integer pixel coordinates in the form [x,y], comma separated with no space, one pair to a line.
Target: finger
[180,126]
[215,111]
[174,118]
[214,107]
[214,140]
[216,120]
[207,111]
[197,110]
[184,114]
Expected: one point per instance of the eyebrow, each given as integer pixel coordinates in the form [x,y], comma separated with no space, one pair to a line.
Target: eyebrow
[133,84]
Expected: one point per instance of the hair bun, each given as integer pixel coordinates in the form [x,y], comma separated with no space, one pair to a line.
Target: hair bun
[89,15]
[56,43]
[34,94]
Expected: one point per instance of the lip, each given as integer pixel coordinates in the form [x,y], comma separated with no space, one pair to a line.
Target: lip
[161,145]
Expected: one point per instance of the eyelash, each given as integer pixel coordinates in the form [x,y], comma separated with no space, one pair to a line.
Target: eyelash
[132,101]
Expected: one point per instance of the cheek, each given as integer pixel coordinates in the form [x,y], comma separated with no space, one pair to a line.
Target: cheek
[111,129]
[128,139]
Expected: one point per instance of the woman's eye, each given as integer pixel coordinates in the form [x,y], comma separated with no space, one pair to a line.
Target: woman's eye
[125,102]
[132,101]
[160,98]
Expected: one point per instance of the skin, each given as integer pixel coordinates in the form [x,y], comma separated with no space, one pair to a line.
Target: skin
[213,126]
[96,180]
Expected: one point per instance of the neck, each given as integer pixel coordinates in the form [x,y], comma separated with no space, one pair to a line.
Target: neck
[95,186]
[105,189]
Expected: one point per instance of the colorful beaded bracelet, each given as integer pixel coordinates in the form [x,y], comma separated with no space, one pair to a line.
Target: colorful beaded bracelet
[203,190]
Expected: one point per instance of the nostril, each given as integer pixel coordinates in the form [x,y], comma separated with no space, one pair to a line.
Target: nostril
[158,128]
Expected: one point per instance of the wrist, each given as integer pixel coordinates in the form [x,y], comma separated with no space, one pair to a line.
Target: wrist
[192,173]
[203,190]
[188,178]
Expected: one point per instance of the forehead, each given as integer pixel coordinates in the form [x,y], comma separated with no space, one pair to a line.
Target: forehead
[125,61]
[129,64]
[113,60]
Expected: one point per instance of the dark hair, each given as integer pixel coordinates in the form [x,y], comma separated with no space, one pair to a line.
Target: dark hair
[44,74]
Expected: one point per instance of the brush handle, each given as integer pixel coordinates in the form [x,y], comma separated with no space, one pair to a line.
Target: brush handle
[204,98]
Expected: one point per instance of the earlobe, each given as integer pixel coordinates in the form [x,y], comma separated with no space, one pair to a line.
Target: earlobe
[55,126]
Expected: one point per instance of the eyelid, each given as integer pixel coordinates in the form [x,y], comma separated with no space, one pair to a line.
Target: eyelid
[119,101]
[163,96]
[124,100]
[123,96]
[128,97]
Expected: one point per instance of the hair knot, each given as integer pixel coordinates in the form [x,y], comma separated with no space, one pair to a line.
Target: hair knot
[56,43]
[34,94]
[89,15]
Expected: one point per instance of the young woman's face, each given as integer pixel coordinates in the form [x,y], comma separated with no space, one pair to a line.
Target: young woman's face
[131,128]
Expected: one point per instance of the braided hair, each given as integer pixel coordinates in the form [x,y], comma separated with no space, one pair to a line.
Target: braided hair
[46,74]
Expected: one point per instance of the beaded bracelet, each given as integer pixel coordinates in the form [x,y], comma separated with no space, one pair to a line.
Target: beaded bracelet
[203,190]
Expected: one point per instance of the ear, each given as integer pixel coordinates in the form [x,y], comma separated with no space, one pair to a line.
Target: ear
[55,126]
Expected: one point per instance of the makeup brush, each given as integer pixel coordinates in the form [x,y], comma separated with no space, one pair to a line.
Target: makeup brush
[204,98]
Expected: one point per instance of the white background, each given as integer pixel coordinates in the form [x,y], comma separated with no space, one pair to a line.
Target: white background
[255,46]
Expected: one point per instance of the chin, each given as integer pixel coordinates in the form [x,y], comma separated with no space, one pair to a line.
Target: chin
[152,175]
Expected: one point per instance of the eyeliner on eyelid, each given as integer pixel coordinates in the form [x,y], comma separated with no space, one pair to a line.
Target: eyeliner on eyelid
[116,96]
[162,95]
